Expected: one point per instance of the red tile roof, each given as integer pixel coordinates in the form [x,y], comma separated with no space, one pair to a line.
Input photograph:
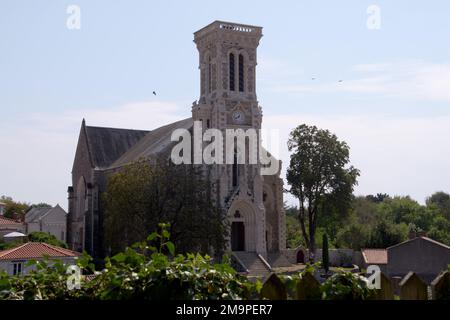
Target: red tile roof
[375,256]
[7,221]
[34,250]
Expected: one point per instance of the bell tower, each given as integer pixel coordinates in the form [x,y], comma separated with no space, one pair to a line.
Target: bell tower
[227,63]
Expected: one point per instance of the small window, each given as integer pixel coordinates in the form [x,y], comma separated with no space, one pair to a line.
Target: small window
[231,64]
[17,268]
[208,123]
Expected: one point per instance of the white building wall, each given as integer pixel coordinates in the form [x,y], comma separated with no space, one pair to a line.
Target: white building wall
[8,265]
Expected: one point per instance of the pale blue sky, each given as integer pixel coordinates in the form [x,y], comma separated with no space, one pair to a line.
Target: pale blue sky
[393,107]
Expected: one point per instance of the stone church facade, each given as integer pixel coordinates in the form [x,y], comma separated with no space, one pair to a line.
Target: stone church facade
[253,202]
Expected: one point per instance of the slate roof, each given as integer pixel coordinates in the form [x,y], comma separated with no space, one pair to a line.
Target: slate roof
[34,250]
[375,256]
[153,143]
[421,238]
[35,213]
[107,144]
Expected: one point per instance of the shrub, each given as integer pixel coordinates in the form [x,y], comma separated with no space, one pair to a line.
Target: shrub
[346,286]
[40,236]
[144,271]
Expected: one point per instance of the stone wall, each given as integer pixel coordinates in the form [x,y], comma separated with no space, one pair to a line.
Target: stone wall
[338,257]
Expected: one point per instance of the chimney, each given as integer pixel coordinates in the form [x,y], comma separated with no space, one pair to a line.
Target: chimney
[412,234]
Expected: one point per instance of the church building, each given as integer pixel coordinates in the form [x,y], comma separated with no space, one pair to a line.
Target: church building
[253,202]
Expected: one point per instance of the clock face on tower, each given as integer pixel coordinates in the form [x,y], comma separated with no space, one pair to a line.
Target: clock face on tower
[238,117]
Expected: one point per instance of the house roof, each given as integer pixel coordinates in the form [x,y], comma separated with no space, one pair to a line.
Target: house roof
[107,144]
[34,250]
[421,238]
[7,221]
[375,256]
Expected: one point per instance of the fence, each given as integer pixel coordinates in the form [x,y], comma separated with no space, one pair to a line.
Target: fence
[411,287]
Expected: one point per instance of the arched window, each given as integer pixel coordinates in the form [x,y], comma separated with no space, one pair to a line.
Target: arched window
[241,73]
[235,170]
[231,65]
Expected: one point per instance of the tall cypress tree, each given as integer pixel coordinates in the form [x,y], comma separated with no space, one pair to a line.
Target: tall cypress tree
[325,254]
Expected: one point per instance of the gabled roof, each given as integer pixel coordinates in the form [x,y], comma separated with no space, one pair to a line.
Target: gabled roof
[34,250]
[7,221]
[420,238]
[36,212]
[107,144]
[153,143]
[375,256]
[39,213]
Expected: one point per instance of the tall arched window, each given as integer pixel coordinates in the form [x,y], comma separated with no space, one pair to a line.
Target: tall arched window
[231,65]
[235,170]
[241,73]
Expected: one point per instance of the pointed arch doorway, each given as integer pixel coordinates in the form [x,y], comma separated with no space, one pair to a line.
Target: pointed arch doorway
[237,236]
[242,226]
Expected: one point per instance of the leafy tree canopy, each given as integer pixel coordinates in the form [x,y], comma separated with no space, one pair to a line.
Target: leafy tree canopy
[39,236]
[320,177]
[14,207]
[142,195]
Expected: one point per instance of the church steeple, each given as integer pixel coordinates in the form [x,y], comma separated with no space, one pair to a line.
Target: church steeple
[227,63]
[227,56]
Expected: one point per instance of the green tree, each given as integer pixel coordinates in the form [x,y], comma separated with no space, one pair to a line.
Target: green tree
[406,210]
[378,198]
[294,237]
[141,195]
[442,201]
[319,177]
[354,236]
[364,210]
[440,230]
[39,236]
[41,205]
[386,234]
[13,207]
[325,253]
